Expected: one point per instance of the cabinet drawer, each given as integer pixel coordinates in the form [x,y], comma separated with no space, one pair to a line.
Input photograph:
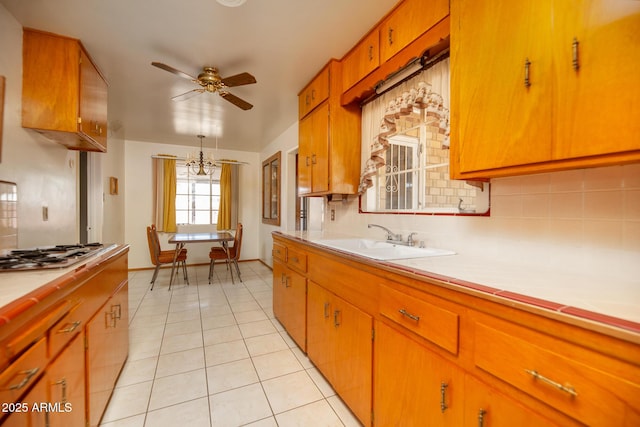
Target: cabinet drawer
[23,372]
[555,375]
[297,260]
[63,331]
[429,321]
[279,252]
[316,92]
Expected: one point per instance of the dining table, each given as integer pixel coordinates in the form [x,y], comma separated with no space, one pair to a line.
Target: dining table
[181,239]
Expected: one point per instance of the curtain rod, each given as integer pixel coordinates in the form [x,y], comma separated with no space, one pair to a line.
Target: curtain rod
[231,162]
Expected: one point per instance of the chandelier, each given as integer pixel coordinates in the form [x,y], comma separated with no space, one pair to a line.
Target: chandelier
[200,166]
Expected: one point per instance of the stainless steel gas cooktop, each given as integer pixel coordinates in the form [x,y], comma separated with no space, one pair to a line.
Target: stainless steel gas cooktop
[59,256]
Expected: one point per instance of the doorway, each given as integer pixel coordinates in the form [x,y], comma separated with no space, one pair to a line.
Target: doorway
[90,198]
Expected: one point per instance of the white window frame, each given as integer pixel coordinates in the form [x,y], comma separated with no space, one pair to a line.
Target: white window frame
[185,176]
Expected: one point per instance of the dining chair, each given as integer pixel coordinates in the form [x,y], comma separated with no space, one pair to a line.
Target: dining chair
[160,257]
[218,254]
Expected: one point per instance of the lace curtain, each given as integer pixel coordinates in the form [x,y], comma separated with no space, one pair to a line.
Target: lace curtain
[428,91]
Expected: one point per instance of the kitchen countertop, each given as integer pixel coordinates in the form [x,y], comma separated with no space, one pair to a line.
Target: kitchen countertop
[600,299]
[20,289]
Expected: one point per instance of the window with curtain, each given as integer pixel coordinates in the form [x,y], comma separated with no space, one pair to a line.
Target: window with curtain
[184,198]
[197,197]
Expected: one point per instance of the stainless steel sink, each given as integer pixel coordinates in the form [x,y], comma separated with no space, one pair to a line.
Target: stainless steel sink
[381,250]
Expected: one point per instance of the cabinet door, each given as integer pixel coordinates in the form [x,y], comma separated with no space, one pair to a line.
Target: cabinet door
[107,348]
[339,343]
[319,324]
[408,22]
[362,60]
[315,93]
[486,407]
[313,152]
[26,416]
[413,386]
[501,121]
[295,305]
[599,102]
[320,149]
[93,102]
[279,278]
[305,142]
[65,380]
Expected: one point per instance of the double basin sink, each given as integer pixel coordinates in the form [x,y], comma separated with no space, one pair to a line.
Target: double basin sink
[381,250]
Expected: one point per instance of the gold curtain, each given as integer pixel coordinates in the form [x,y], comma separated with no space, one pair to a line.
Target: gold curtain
[224,213]
[164,206]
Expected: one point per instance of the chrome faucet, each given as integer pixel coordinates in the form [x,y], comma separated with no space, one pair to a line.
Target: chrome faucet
[390,234]
[410,241]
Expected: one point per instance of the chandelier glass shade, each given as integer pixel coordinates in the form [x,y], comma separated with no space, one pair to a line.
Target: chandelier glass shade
[198,165]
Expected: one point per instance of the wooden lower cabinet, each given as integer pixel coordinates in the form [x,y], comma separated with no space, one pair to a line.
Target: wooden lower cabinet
[339,343]
[486,407]
[413,385]
[65,386]
[290,302]
[25,416]
[107,348]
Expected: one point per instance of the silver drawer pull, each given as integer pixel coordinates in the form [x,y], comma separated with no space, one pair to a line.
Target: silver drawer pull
[28,374]
[72,327]
[405,313]
[567,389]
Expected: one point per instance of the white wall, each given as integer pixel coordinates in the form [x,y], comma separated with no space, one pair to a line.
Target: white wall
[287,144]
[44,171]
[138,201]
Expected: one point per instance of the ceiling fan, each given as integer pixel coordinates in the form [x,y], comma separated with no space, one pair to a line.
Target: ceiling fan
[211,82]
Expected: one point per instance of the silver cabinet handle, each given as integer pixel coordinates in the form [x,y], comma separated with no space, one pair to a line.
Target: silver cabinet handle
[443,390]
[28,374]
[405,313]
[576,58]
[63,383]
[72,327]
[390,36]
[370,52]
[481,414]
[527,65]
[336,322]
[565,388]
[326,310]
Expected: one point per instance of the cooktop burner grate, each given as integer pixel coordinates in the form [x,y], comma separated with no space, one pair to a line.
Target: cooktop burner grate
[58,256]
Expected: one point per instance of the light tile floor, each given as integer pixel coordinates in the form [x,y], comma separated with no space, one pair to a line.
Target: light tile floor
[214,355]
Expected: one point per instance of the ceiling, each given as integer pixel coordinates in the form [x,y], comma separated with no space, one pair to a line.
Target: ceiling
[283,43]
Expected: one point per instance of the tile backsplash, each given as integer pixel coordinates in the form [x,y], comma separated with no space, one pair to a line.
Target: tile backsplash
[581,220]
[8,215]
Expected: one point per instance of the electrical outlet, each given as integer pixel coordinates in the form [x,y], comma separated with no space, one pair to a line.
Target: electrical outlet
[45,213]
[333,214]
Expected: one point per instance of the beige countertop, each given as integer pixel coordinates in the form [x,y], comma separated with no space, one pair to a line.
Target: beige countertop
[18,284]
[600,299]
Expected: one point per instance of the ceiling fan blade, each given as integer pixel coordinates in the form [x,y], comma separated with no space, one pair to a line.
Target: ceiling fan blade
[239,80]
[236,101]
[173,70]
[187,95]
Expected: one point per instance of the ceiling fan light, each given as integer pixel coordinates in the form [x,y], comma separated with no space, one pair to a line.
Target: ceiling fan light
[231,3]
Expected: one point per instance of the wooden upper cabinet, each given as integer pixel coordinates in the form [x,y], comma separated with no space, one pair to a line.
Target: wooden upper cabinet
[500,120]
[361,60]
[597,105]
[64,96]
[329,137]
[314,93]
[543,85]
[407,22]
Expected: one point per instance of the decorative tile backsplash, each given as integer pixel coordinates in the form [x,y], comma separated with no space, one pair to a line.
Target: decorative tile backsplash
[8,215]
